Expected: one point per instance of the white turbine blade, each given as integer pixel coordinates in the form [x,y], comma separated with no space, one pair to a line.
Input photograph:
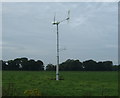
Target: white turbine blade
[68,18]
[69,14]
[54,17]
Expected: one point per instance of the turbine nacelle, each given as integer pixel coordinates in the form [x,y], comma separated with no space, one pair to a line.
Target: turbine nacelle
[55,23]
[67,18]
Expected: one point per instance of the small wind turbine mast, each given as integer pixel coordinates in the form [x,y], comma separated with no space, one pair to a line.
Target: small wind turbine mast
[57,23]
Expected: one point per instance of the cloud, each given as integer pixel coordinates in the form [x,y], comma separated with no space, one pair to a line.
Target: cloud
[90,10]
[112,46]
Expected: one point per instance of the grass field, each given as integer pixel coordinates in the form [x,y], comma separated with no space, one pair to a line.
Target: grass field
[74,83]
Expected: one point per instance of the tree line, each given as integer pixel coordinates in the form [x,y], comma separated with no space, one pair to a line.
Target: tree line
[69,65]
[88,65]
[22,64]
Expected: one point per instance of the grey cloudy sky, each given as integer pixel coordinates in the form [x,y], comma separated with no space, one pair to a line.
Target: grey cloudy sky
[92,32]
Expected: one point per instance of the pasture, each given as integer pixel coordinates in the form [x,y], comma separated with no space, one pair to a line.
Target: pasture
[17,83]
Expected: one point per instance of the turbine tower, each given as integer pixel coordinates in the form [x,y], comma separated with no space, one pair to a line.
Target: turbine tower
[57,24]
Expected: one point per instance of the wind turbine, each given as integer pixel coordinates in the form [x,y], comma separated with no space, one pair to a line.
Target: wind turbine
[57,24]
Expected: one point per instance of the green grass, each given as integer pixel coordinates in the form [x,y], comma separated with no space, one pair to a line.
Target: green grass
[74,83]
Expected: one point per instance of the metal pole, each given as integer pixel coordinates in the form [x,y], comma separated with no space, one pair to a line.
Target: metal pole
[57,67]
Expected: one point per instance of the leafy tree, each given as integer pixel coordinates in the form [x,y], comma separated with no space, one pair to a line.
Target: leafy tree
[118,67]
[4,65]
[71,65]
[39,65]
[50,67]
[12,65]
[108,65]
[31,64]
[90,65]
[115,68]
[100,66]
[24,63]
